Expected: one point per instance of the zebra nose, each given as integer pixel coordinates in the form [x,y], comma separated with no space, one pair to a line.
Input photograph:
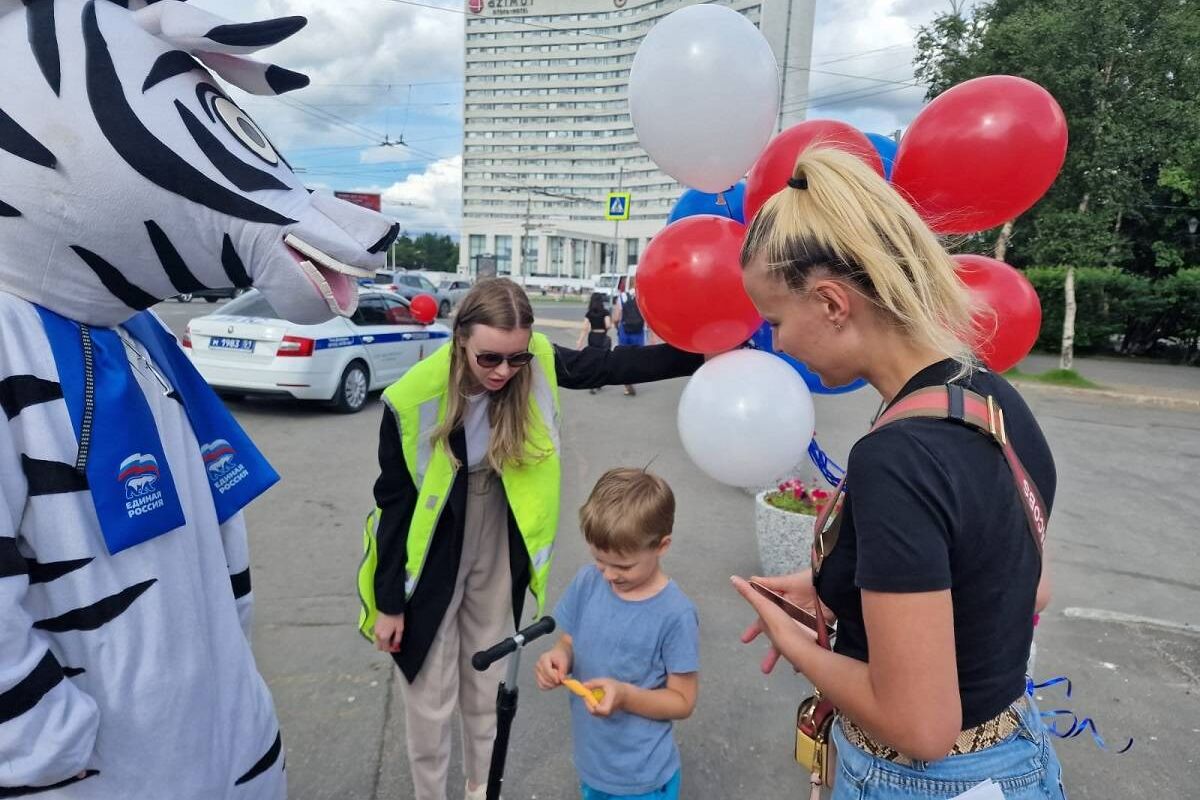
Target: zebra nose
[370,229]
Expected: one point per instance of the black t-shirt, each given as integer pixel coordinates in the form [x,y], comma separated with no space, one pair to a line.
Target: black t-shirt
[932,505]
[596,319]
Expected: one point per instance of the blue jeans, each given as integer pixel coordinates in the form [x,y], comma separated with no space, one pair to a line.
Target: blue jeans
[630,339]
[1024,765]
[668,792]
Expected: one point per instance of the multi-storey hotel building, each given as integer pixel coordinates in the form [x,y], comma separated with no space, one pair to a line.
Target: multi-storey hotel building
[547,132]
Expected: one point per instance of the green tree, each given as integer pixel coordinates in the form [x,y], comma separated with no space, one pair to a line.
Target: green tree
[1127,76]
[427,251]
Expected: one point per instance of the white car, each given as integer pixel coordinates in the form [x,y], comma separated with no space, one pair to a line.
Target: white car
[246,349]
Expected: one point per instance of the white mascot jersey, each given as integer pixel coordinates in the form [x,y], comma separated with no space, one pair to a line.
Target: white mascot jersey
[128,175]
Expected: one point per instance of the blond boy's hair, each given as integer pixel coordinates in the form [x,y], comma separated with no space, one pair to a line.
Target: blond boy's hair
[629,510]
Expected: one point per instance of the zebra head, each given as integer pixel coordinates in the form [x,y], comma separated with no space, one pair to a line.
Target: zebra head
[127,175]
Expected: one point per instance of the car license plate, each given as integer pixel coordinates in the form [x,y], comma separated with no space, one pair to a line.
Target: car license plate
[225,343]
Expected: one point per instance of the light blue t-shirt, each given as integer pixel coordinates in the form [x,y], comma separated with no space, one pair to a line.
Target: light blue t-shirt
[637,642]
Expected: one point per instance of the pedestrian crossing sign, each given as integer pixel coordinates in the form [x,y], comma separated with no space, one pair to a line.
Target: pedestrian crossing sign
[618,205]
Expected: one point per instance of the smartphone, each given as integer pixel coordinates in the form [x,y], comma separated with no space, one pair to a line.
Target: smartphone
[805,618]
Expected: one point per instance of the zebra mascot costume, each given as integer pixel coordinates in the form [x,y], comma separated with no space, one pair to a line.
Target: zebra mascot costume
[127,175]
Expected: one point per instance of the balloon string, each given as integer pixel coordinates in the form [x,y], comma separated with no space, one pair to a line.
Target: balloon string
[1074,726]
[832,472]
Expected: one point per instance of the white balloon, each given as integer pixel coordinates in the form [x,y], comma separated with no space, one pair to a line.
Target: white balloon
[704,95]
[746,417]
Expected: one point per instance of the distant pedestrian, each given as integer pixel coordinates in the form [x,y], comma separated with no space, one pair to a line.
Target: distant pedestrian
[631,325]
[596,325]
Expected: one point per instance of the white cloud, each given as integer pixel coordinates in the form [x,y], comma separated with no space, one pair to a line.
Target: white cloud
[362,56]
[429,200]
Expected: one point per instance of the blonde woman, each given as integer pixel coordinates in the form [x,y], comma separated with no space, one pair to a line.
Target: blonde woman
[468,500]
[934,572]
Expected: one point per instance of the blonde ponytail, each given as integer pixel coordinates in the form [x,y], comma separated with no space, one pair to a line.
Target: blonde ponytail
[840,216]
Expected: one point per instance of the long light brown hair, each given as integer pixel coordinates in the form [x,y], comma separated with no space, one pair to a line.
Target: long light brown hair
[850,224]
[497,303]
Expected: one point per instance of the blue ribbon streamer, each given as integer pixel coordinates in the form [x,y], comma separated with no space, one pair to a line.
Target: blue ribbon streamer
[832,472]
[1076,726]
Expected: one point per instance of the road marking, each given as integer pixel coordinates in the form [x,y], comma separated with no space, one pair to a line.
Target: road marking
[1100,615]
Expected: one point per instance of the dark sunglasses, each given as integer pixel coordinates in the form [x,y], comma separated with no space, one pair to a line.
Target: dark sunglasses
[493,360]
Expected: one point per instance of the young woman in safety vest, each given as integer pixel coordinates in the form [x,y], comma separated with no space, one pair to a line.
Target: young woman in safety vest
[468,501]
[932,560]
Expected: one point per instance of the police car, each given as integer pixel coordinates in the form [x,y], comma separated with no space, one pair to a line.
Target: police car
[245,348]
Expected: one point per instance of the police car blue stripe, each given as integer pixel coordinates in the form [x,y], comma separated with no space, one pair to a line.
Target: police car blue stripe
[334,342]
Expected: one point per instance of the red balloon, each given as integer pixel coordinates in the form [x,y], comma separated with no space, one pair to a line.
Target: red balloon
[771,172]
[424,309]
[1007,336]
[689,285]
[982,153]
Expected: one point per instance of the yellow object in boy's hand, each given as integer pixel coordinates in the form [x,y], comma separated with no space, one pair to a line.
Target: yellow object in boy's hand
[589,695]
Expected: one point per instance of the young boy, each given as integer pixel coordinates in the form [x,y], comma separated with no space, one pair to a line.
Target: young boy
[631,633]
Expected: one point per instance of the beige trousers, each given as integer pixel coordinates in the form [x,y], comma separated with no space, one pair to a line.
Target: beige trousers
[479,615]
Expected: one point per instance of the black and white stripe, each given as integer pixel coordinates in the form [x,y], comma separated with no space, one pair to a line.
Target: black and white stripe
[264,763]
[21,143]
[26,791]
[143,151]
[172,262]
[50,571]
[117,284]
[43,40]
[240,583]
[52,477]
[168,65]
[28,692]
[99,613]
[18,392]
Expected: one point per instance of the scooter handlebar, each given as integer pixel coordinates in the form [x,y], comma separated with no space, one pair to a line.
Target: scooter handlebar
[485,658]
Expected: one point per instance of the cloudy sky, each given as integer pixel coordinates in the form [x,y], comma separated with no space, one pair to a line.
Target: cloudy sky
[386,69]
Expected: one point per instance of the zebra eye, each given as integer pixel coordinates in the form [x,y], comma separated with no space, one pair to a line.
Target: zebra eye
[244,130]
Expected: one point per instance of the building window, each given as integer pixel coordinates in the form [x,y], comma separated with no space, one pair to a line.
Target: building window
[631,247]
[504,255]
[475,244]
[529,255]
[578,251]
[556,255]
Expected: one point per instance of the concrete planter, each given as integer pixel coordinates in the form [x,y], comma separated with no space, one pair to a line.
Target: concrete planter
[784,538]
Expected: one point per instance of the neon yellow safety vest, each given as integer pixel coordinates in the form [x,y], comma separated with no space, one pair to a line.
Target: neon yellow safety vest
[418,400]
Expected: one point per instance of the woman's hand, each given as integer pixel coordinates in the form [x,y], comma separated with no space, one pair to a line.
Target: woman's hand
[788,638]
[389,628]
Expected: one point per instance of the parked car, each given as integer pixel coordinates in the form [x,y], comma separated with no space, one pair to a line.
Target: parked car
[245,348]
[612,284]
[211,295]
[411,284]
[456,287]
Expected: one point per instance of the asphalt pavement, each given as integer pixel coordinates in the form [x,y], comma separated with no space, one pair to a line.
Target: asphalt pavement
[1124,624]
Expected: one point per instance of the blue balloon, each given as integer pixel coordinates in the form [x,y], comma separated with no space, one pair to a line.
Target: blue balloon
[886,147]
[764,340]
[694,201]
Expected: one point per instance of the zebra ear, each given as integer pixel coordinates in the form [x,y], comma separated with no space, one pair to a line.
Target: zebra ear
[253,76]
[192,29]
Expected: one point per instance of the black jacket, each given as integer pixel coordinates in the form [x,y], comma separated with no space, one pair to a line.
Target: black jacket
[396,496]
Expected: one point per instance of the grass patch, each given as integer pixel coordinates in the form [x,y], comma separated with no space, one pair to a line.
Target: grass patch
[1054,377]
